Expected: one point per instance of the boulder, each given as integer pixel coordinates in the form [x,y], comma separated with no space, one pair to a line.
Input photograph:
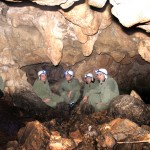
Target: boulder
[126,106]
[12,144]
[98,4]
[30,103]
[125,133]
[58,143]
[138,11]
[33,136]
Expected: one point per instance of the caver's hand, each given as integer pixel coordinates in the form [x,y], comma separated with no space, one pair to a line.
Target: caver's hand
[69,94]
[85,99]
[46,100]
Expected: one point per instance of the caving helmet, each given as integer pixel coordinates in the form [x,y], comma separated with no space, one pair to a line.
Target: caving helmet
[70,72]
[89,75]
[102,70]
[42,72]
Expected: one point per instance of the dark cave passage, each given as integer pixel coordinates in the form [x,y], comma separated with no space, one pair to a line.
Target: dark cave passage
[54,73]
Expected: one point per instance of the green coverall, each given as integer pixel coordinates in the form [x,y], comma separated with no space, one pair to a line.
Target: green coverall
[74,86]
[101,96]
[90,86]
[42,89]
[1,84]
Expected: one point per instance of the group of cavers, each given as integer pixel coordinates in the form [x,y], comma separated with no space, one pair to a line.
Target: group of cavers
[97,93]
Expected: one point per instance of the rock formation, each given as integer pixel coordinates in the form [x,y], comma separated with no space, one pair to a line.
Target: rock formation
[109,135]
[83,35]
[126,106]
[140,13]
[73,35]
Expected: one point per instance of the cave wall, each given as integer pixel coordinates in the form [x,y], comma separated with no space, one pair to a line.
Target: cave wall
[82,35]
[135,75]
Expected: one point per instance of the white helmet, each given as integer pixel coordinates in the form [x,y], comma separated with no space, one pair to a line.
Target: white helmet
[102,70]
[70,72]
[41,72]
[89,75]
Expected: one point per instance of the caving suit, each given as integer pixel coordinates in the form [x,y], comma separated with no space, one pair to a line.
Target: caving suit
[101,96]
[90,86]
[1,84]
[42,89]
[1,87]
[66,86]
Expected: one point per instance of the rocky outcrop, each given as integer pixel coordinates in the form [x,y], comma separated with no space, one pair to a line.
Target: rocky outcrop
[126,106]
[33,136]
[140,13]
[30,103]
[116,42]
[144,49]
[120,130]
[128,19]
[97,4]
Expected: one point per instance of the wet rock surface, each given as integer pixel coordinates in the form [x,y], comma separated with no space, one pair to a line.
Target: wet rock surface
[126,106]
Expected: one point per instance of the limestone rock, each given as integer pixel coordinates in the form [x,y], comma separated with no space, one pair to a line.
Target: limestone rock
[32,35]
[68,4]
[107,43]
[63,3]
[106,18]
[71,55]
[125,106]
[76,136]
[57,142]
[121,129]
[80,35]
[98,4]
[53,37]
[94,131]
[84,17]
[6,57]
[138,11]
[33,136]
[87,47]
[14,79]
[49,2]
[117,55]
[135,95]
[93,63]
[144,50]
[146,27]
[109,140]
[30,103]
[12,144]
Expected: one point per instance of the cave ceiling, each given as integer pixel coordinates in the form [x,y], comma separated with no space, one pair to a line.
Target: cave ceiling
[71,33]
